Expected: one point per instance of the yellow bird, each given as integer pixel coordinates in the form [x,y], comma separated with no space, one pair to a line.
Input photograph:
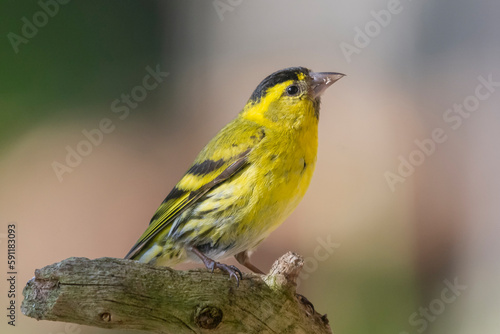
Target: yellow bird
[246,181]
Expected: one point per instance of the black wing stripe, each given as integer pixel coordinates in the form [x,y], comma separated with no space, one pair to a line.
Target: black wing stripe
[226,174]
[206,167]
[175,193]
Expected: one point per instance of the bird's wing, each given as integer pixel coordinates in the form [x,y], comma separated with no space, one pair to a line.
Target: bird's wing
[211,168]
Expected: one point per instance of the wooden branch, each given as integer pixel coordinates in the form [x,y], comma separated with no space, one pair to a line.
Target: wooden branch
[125,294]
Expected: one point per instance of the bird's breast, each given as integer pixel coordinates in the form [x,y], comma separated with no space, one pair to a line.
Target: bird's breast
[282,169]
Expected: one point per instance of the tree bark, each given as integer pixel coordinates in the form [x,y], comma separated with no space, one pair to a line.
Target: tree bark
[125,294]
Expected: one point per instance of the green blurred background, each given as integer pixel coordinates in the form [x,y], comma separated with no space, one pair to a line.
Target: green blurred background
[391,250]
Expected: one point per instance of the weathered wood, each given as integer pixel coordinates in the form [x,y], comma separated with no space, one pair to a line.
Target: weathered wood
[125,294]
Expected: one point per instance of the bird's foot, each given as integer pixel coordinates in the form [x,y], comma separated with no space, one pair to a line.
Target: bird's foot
[230,269]
[212,265]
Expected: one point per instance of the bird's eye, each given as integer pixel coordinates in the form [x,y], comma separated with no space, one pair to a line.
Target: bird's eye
[292,90]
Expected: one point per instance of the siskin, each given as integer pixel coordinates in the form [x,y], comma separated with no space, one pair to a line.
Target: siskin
[246,181]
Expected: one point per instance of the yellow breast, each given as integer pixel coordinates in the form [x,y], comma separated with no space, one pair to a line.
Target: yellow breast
[281,170]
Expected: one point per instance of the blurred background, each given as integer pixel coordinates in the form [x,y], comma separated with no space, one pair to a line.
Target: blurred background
[399,228]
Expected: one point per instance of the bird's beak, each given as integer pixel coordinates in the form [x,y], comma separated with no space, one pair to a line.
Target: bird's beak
[320,81]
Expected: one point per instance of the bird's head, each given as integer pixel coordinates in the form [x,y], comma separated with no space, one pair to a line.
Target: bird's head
[288,97]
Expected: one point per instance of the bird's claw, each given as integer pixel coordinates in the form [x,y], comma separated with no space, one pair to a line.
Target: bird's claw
[212,265]
[230,269]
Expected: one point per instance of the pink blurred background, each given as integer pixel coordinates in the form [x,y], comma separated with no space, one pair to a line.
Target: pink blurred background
[394,247]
